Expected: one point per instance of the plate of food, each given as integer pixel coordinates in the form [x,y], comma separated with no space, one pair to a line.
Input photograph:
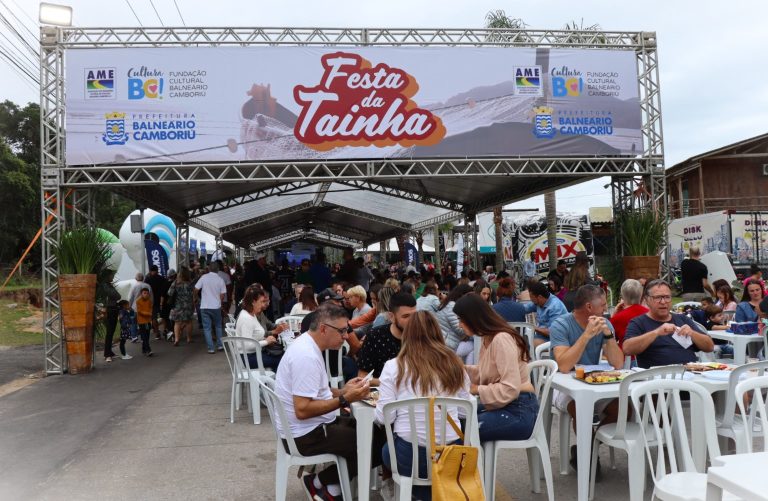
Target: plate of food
[373,398]
[701,367]
[602,377]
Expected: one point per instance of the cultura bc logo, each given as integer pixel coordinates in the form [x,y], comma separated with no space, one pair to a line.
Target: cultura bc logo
[115,129]
[145,83]
[543,126]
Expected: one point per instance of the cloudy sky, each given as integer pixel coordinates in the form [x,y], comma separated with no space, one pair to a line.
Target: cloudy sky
[714,78]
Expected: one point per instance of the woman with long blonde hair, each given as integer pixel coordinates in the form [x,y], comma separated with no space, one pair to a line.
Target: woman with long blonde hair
[424,367]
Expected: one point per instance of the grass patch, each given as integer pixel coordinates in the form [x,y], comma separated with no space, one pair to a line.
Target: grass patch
[14,321]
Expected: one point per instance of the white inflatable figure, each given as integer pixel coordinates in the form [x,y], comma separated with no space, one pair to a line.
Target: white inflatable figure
[129,252]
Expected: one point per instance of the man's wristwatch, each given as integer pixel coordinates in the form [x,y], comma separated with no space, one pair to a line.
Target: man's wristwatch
[606,337]
[343,402]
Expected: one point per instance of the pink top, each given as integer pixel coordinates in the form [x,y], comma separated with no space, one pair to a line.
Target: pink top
[500,373]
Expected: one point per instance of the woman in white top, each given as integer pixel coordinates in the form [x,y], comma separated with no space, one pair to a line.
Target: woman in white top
[254,302]
[356,296]
[424,367]
[307,303]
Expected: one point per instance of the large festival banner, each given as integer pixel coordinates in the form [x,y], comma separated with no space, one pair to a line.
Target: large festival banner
[230,104]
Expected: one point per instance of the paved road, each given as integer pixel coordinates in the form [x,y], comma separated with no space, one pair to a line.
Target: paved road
[158,429]
[19,362]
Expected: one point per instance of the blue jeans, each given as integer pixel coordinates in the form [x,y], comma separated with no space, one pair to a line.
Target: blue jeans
[513,422]
[403,455]
[211,316]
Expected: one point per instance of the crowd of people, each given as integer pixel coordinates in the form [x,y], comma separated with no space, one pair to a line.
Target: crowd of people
[409,332]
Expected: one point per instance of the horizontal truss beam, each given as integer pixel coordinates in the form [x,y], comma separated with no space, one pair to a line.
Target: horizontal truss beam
[136,175]
[80,37]
[297,235]
[250,197]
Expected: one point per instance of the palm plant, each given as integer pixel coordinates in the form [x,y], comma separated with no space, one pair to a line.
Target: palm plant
[82,251]
[642,232]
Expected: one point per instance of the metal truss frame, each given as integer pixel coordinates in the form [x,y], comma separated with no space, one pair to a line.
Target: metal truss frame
[56,176]
[315,235]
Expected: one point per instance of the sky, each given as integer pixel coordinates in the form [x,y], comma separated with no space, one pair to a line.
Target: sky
[711,53]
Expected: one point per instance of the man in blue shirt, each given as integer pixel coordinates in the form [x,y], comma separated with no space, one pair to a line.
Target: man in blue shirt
[547,307]
[578,338]
[529,269]
[661,337]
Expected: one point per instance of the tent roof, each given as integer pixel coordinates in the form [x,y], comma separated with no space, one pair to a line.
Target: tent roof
[358,211]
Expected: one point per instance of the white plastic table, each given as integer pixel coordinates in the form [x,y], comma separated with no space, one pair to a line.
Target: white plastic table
[740,474]
[585,396]
[740,343]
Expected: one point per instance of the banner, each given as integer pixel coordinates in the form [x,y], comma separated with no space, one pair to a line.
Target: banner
[411,255]
[574,235]
[459,253]
[230,104]
[156,256]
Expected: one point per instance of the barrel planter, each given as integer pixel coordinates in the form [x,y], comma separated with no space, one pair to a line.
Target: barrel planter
[77,297]
[638,267]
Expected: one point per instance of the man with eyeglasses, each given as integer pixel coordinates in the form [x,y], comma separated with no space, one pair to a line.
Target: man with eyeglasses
[661,337]
[310,403]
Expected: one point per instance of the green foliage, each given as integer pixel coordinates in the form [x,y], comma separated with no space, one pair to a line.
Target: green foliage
[642,232]
[82,251]
[19,195]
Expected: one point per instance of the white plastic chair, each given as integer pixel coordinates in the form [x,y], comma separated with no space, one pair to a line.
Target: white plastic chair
[626,435]
[403,484]
[242,373]
[542,351]
[758,409]
[536,445]
[293,321]
[564,427]
[338,380]
[526,330]
[662,421]
[729,425]
[292,456]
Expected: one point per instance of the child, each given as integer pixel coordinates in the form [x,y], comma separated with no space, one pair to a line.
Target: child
[127,320]
[144,320]
[715,322]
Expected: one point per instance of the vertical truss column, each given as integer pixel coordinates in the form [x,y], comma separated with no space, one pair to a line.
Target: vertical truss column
[52,195]
[470,240]
[182,245]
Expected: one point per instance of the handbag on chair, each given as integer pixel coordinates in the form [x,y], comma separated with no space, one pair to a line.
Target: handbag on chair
[455,475]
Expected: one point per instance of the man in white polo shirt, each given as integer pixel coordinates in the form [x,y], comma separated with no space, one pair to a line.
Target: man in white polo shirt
[310,404]
[211,291]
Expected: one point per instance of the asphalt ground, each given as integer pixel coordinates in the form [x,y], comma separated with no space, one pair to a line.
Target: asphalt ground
[158,429]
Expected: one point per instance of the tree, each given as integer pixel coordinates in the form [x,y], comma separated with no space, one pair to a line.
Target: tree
[19,194]
[498,19]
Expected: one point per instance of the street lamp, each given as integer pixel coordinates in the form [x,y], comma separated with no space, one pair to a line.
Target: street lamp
[55,14]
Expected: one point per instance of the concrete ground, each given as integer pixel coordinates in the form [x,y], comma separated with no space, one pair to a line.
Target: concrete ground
[158,429]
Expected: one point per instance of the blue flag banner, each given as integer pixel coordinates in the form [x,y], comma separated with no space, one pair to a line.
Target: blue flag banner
[411,255]
[156,256]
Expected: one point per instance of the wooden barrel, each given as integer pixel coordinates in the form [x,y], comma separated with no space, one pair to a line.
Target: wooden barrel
[638,267]
[77,297]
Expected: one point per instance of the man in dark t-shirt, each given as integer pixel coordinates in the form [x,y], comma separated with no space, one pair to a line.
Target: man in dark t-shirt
[661,337]
[694,276]
[383,343]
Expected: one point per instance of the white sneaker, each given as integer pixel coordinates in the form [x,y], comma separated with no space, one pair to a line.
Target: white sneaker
[387,491]
[126,357]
